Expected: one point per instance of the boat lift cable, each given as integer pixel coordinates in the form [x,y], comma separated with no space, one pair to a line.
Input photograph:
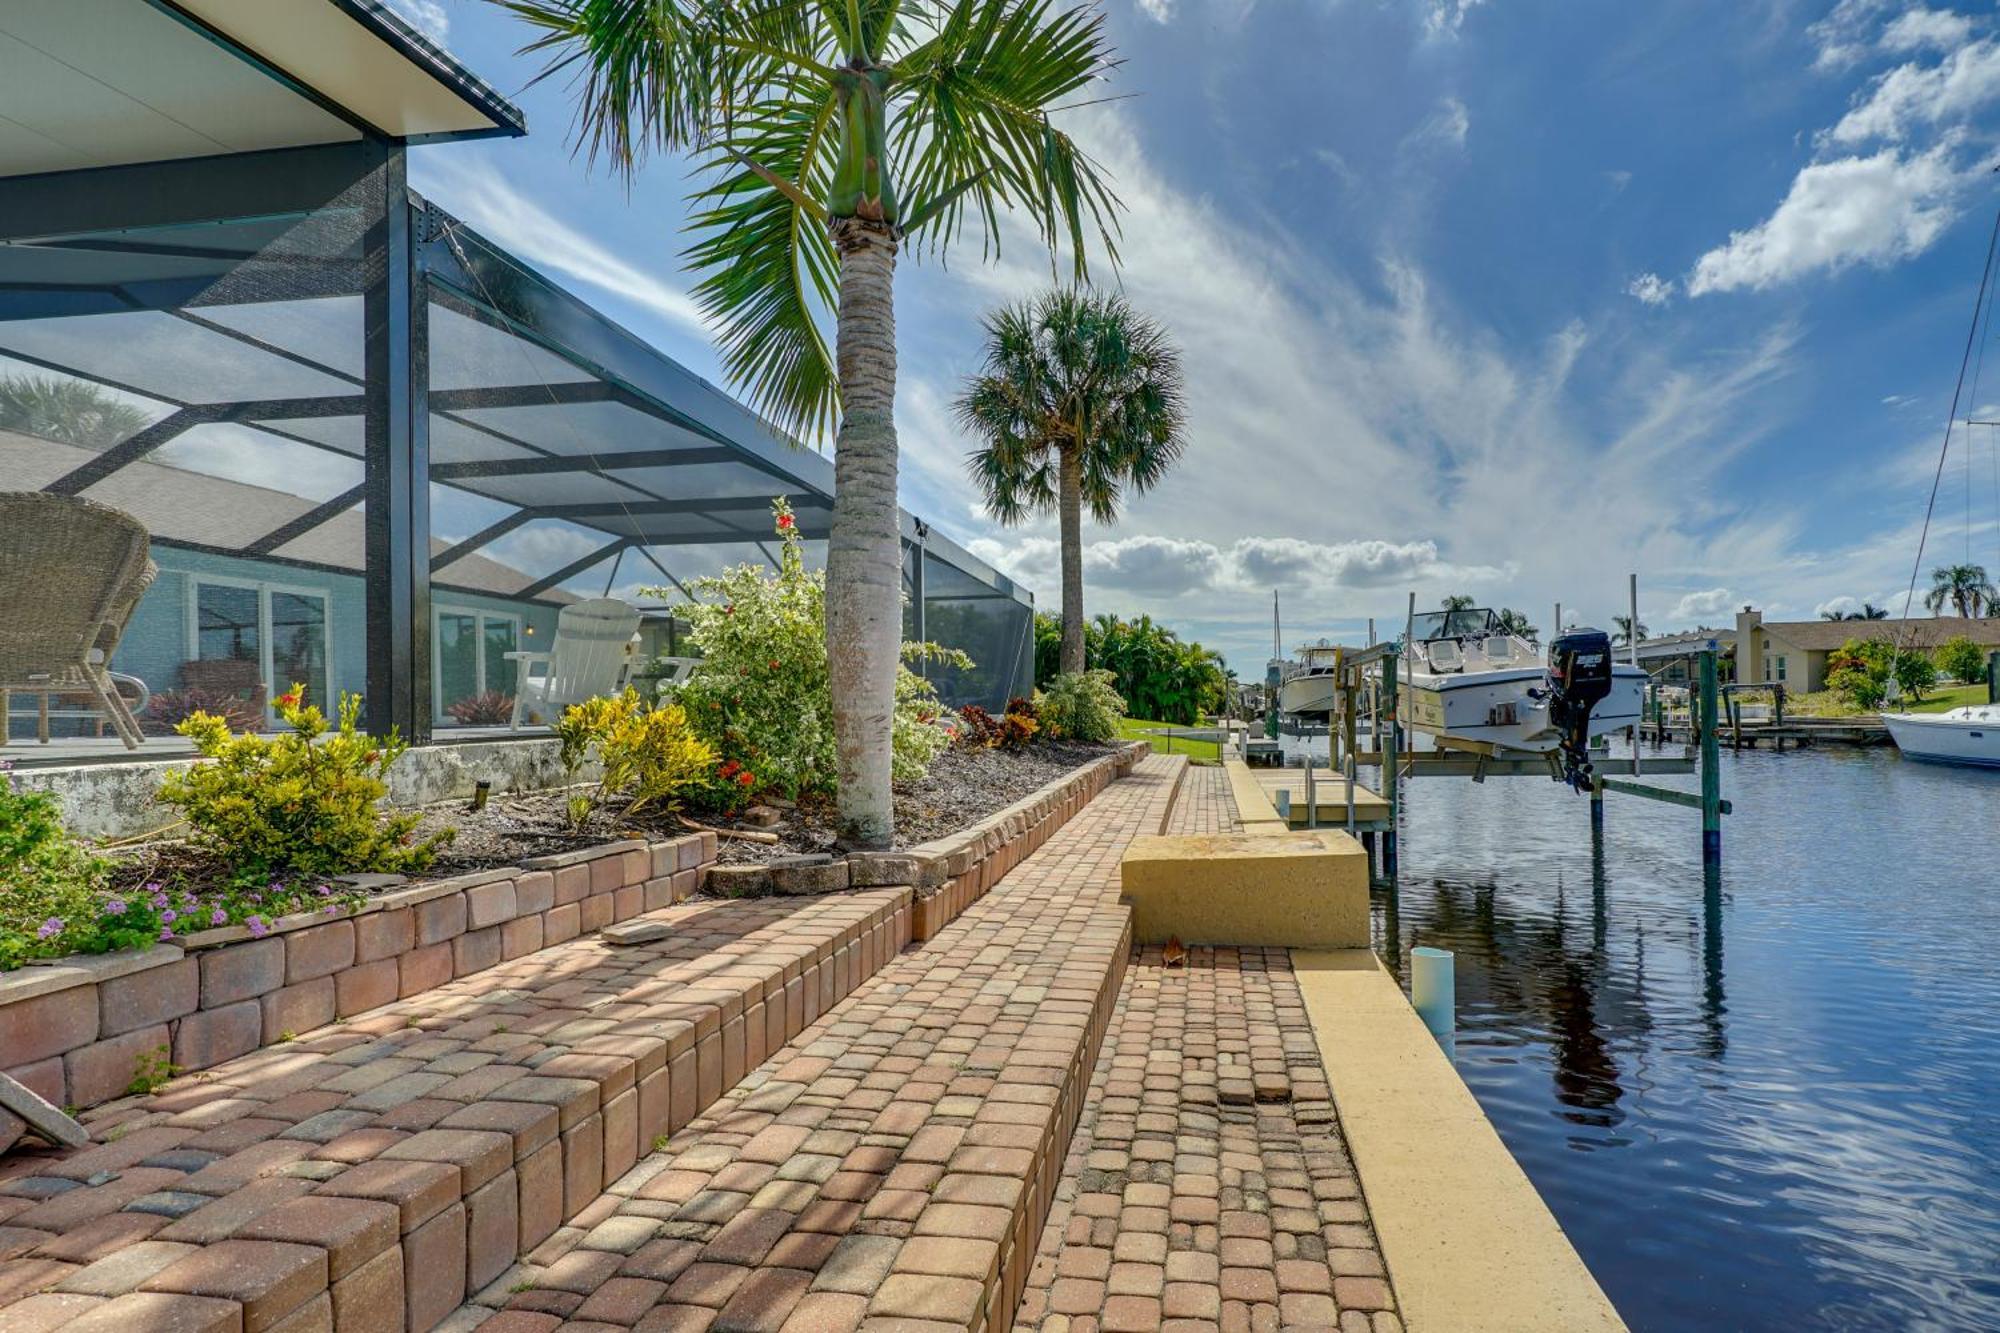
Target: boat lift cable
[1951,418]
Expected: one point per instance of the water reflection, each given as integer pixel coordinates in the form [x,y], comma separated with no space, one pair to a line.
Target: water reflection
[1801,1142]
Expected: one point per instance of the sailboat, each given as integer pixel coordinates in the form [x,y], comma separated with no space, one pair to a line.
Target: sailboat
[1474,684]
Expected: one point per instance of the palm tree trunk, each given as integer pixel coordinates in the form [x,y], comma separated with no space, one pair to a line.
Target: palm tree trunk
[864,611]
[1069,500]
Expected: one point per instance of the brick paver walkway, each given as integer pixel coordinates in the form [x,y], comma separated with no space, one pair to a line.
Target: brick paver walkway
[889,1168]
[1205,805]
[1208,1187]
[369,1173]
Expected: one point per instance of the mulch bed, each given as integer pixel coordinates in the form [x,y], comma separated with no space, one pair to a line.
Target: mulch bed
[963,787]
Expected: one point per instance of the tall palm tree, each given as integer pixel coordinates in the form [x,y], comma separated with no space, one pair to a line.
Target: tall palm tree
[1626,629]
[1870,611]
[823,135]
[1516,623]
[1965,587]
[1080,400]
[1458,601]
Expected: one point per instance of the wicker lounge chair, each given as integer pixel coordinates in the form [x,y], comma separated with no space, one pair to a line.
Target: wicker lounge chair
[71,573]
[587,658]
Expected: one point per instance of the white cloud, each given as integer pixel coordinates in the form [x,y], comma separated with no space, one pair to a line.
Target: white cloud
[1913,96]
[426,16]
[1873,210]
[1651,289]
[1838,606]
[1843,36]
[1923,29]
[1160,11]
[1444,18]
[1898,400]
[468,187]
[1447,126]
[1707,602]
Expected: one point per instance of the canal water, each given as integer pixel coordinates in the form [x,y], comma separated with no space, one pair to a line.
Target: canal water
[1767,1101]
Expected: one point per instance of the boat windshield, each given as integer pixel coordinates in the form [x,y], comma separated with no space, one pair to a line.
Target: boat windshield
[1471,623]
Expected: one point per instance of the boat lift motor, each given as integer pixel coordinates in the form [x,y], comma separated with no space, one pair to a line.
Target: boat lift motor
[1579,679]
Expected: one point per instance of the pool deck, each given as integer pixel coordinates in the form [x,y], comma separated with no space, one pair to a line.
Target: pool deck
[788,1117]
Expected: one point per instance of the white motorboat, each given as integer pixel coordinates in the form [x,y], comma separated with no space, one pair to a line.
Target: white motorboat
[1960,736]
[1308,689]
[1469,679]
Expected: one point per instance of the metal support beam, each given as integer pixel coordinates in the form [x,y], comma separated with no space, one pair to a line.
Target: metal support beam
[665,573]
[306,522]
[605,462]
[573,568]
[129,450]
[480,538]
[397,461]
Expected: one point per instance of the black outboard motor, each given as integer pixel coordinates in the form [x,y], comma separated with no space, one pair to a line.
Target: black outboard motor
[1579,678]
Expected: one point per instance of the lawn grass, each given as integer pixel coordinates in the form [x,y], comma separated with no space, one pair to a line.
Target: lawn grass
[1947,698]
[1137,729]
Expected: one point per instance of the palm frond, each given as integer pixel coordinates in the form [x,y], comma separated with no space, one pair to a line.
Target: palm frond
[978,90]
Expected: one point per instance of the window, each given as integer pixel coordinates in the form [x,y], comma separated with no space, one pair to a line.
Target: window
[261,639]
[469,656]
[1781,668]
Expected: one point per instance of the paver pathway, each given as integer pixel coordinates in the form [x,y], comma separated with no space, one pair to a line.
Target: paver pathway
[1208,1186]
[889,1168]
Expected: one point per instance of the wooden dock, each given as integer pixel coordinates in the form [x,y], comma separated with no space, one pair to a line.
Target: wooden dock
[1328,792]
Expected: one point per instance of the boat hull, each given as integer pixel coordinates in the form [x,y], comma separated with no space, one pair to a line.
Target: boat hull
[1307,696]
[1494,707]
[1965,736]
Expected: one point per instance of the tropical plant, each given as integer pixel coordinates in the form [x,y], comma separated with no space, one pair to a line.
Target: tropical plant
[1961,659]
[1965,588]
[1517,623]
[1080,399]
[977,728]
[761,696]
[166,710]
[1915,673]
[68,411]
[1458,601]
[303,802]
[809,186]
[1083,706]
[492,709]
[1161,678]
[1625,630]
[1868,611]
[646,752]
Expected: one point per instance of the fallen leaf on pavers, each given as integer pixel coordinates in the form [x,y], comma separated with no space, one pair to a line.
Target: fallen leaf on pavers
[1174,954]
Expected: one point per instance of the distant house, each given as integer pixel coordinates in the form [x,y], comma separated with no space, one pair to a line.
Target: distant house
[1795,651]
[1674,658]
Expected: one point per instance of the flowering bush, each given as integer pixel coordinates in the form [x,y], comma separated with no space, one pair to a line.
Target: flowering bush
[1082,706]
[760,696]
[304,803]
[647,752]
[977,728]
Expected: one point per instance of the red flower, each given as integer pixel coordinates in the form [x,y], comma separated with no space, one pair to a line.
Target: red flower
[785,521]
[774,664]
[289,700]
[744,778]
[729,769]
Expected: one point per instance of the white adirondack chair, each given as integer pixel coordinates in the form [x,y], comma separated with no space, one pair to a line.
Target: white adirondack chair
[586,659]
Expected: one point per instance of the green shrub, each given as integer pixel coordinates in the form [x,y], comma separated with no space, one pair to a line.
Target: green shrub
[760,696]
[648,753]
[306,802]
[1961,659]
[1915,673]
[1083,706]
[54,893]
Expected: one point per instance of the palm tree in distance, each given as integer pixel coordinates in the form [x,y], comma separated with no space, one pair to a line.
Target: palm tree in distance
[1868,611]
[1964,587]
[1516,623]
[1626,630]
[809,185]
[1080,399]
[1458,601]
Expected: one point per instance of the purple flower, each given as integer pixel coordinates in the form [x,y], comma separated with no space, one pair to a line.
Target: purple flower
[114,907]
[325,890]
[218,917]
[50,928]
[166,932]
[331,908]
[258,927]
[169,916]
[159,900]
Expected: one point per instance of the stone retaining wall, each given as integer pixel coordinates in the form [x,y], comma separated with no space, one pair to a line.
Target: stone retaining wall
[76,1029]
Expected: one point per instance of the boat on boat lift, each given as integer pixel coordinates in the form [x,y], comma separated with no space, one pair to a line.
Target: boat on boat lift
[1968,736]
[1310,685]
[1473,684]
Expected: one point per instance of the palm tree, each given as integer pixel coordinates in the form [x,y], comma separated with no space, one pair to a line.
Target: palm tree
[68,411]
[1458,601]
[1965,587]
[1870,611]
[809,186]
[1516,623]
[1627,630]
[1079,400]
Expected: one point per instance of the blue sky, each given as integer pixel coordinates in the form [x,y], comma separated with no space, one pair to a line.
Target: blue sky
[1508,297]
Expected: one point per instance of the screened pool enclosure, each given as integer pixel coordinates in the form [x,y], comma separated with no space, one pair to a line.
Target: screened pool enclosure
[372,451]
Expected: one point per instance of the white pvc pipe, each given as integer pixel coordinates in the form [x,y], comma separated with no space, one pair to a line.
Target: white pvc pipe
[1433,989]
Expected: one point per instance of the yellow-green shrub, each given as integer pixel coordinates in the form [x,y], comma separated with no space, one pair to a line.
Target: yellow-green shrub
[304,802]
[647,751]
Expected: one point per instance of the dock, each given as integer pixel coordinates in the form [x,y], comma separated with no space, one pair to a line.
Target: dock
[1318,798]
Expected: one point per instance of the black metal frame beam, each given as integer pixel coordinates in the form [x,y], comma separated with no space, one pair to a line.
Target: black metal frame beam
[733,504]
[491,532]
[605,462]
[306,522]
[573,568]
